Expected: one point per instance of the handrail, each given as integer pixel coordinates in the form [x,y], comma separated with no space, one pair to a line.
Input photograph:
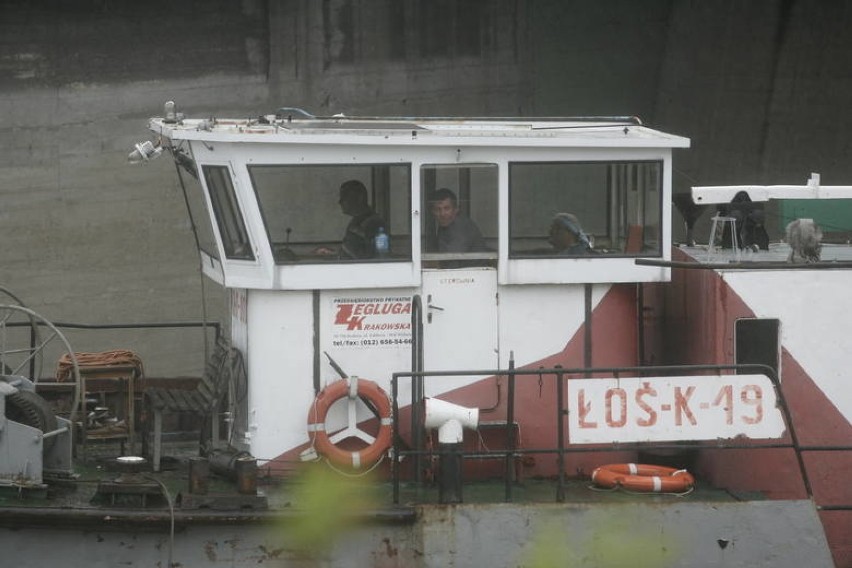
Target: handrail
[151,325]
[510,430]
[744,265]
[417,391]
[561,375]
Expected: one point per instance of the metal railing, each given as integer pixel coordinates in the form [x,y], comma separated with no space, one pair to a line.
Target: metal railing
[562,376]
[33,339]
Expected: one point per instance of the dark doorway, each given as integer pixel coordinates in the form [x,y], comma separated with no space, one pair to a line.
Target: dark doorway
[757,341]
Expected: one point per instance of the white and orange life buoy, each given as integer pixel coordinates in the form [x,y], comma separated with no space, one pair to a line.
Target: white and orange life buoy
[351,388]
[642,477]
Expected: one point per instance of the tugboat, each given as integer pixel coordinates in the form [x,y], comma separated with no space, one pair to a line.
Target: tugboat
[439,303]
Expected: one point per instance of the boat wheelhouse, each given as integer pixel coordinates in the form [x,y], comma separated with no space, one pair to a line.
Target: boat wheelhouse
[269,198]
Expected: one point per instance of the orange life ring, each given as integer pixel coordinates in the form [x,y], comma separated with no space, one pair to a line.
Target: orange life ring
[642,477]
[352,388]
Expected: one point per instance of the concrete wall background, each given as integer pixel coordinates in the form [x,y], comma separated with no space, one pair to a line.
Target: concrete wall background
[762,88]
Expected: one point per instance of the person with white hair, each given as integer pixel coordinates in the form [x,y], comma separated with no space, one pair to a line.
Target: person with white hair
[805,240]
[567,236]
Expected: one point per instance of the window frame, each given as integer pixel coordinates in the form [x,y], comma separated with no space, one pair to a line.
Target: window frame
[435,259]
[378,274]
[587,269]
[236,214]
[611,218]
[382,209]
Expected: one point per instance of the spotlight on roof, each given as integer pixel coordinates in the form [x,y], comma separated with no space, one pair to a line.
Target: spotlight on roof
[170,114]
[144,152]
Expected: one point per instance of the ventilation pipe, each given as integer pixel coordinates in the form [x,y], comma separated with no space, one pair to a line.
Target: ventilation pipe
[450,420]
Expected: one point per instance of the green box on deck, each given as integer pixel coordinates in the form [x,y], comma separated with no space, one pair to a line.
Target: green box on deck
[834,216]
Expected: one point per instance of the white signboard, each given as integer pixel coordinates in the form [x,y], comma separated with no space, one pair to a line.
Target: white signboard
[370,322]
[368,334]
[641,409]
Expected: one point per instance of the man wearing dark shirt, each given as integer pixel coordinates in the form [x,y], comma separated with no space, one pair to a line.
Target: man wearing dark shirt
[359,240]
[453,232]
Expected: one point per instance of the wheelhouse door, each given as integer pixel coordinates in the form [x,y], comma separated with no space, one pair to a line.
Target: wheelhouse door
[460,321]
[459,282]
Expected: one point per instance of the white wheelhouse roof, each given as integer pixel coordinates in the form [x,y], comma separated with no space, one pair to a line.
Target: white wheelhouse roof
[559,132]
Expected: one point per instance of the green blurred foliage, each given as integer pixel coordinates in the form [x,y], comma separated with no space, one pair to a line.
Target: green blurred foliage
[329,504]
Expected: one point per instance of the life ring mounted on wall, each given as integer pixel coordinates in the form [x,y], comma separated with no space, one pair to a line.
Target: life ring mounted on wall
[352,389]
[643,477]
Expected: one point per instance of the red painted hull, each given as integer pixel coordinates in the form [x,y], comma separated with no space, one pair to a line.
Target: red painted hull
[689,321]
[697,312]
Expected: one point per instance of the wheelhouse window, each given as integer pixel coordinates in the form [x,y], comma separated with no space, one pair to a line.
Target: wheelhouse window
[199,217]
[335,213]
[226,209]
[559,209]
[459,221]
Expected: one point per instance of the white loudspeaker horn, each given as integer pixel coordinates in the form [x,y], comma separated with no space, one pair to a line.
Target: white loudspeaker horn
[449,419]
